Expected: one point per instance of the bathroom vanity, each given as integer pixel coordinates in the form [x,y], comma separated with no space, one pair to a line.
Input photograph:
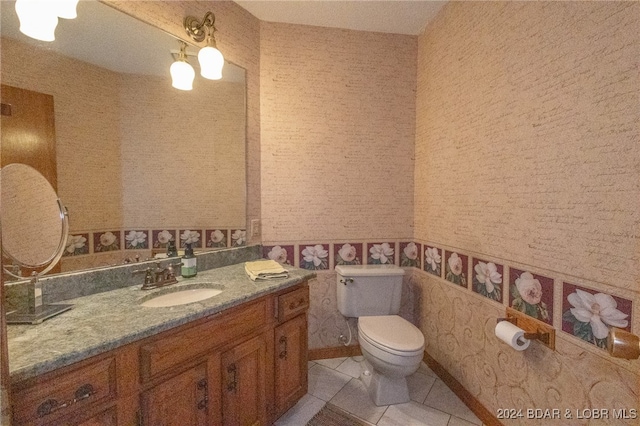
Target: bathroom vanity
[239,358]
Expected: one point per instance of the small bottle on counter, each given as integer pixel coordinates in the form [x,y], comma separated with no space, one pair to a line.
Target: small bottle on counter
[171,249]
[189,268]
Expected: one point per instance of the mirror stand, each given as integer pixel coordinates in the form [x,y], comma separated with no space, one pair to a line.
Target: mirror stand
[36,311]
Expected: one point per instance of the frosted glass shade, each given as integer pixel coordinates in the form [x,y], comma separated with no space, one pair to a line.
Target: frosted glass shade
[66,8]
[38,19]
[182,75]
[211,63]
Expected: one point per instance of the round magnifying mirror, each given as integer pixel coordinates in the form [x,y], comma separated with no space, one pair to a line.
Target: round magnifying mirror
[32,217]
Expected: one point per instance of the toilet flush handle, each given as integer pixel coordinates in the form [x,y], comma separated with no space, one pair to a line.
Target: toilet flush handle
[347,281]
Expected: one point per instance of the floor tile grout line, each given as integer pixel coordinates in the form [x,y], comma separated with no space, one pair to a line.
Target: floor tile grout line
[423,403]
[383,413]
[334,395]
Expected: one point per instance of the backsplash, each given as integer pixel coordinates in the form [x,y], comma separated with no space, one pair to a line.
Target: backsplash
[58,287]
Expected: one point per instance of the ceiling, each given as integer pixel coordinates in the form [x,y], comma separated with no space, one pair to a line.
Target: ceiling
[389,16]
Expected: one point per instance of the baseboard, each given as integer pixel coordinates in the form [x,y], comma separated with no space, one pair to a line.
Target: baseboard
[487,417]
[335,352]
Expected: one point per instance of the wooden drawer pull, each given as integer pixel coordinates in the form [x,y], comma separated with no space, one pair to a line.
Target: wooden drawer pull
[293,305]
[233,384]
[83,392]
[203,386]
[283,343]
[51,405]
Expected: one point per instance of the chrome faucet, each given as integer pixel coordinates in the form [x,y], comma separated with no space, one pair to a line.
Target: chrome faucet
[158,276]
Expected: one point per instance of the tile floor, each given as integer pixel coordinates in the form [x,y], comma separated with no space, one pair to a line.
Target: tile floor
[337,381]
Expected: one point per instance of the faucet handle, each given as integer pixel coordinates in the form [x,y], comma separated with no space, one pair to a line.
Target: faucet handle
[148,277]
[141,271]
[170,272]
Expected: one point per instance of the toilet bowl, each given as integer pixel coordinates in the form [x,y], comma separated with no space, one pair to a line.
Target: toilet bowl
[393,349]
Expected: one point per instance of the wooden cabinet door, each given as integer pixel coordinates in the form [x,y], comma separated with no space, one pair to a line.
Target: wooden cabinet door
[290,363]
[244,395]
[179,401]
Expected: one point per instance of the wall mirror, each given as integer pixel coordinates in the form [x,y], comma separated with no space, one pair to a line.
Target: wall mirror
[138,162]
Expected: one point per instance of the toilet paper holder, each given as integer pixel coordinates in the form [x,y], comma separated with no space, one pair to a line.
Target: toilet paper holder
[533,329]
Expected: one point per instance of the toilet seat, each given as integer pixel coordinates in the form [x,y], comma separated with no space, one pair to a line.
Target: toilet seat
[392,334]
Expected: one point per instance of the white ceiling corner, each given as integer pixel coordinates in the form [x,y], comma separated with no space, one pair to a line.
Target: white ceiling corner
[387,16]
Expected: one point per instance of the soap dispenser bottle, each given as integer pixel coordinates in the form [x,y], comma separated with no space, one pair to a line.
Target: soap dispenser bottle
[189,268]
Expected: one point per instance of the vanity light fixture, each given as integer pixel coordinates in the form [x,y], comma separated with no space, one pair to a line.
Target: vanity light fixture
[182,73]
[67,8]
[210,59]
[39,18]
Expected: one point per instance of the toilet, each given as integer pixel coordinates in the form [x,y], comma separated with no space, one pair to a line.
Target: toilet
[392,347]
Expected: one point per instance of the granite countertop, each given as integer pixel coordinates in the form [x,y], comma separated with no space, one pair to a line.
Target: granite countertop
[105,321]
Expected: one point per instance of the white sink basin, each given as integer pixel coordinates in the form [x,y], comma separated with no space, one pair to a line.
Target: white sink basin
[181,297]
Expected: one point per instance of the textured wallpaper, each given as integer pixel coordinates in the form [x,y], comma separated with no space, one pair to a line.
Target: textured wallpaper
[338,121]
[337,135]
[527,162]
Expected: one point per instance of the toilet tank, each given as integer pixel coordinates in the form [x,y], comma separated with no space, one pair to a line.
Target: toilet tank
[369,289]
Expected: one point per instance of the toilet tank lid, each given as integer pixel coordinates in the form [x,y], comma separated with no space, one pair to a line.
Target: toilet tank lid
[368,270]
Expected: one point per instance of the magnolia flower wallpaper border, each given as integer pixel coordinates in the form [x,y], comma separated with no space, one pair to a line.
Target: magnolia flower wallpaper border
[87,243]
[532,291]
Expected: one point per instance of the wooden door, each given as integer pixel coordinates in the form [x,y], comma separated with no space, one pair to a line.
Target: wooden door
[28,135]
[181,400]
[290,363]
[244,370]
[28,131]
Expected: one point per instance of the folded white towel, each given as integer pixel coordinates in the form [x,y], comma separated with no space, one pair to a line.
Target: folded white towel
[264,270]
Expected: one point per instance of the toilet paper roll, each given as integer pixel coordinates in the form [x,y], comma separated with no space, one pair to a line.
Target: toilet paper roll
[512,335]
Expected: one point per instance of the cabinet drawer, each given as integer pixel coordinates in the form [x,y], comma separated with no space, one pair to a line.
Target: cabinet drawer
[173,350]
[293,303]
[58,396]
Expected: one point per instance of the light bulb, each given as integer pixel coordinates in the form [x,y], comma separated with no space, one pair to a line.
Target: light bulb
[66,8]
[211,63]
[182,75]
[38,19]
